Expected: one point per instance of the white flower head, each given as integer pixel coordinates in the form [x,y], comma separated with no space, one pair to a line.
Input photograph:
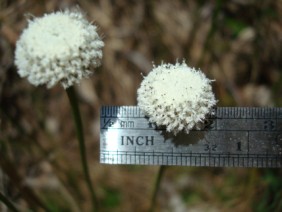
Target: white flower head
[176,96]
[58,47]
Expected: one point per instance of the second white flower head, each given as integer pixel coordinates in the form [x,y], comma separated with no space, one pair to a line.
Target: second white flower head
[58,47]
[176,96]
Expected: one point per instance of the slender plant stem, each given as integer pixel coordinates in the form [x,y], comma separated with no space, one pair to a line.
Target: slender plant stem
[157,186]
[8,203]
[79,130]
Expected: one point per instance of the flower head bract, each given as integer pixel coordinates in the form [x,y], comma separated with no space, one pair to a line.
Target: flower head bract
[176,96]
[60,47]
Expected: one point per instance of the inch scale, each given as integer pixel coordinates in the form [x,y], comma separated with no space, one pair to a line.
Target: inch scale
[233,137]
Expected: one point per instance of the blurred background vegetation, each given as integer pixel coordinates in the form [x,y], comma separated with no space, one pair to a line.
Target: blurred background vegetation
[236,42]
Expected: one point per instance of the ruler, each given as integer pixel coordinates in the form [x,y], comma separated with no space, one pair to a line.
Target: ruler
[233,137]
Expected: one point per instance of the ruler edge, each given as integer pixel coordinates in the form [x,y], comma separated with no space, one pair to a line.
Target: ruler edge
[219,112]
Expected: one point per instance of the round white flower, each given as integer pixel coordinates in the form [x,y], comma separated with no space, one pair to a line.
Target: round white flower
[58,47]
[176,96]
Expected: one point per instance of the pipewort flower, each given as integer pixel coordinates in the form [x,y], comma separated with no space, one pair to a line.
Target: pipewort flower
[176,96]
[60,47]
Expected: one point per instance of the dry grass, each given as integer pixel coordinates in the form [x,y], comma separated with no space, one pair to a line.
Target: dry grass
[236,42]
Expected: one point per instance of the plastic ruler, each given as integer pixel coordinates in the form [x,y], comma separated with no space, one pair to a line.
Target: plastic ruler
[233,137]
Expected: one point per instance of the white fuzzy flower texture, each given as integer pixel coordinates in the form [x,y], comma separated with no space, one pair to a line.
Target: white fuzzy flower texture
[176,96]
[60,47]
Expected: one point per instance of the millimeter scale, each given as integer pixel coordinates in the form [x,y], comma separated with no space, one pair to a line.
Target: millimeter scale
[232,137]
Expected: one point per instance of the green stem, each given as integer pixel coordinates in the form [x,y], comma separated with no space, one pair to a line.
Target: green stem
[79,130]
[8,203]
[157,186]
